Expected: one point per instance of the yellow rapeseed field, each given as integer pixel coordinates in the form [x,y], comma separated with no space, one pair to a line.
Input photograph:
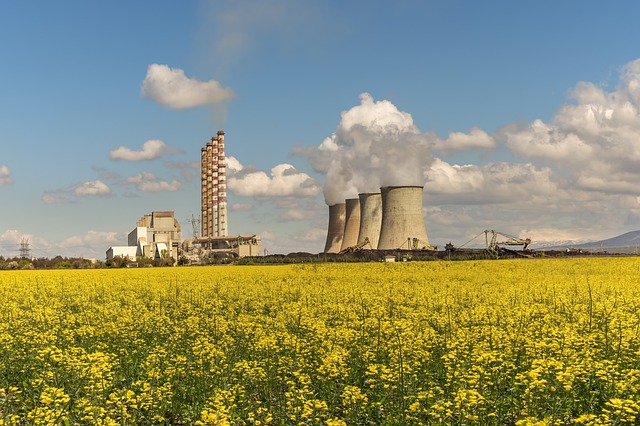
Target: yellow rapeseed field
[524,342]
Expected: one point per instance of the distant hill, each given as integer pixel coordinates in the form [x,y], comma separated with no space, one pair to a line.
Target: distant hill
[629,240]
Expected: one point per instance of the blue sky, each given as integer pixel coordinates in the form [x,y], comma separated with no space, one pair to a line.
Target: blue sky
[529,112]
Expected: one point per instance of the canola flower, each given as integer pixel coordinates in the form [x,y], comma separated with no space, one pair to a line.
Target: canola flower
[522,342]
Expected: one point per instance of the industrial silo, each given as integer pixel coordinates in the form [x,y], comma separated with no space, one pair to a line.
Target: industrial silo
[335,230]
[370,218]
[402,220]
[352,223]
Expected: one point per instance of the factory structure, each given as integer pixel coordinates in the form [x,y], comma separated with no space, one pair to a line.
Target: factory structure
[156,236]
[213,237]
[387,220]
[214,188]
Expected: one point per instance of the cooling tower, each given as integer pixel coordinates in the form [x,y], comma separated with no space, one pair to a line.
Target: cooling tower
[352,223]
[370,217]
[335,230]
[402,221]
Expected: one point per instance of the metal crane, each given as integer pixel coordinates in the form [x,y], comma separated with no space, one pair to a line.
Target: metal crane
[493,243]
[357,247]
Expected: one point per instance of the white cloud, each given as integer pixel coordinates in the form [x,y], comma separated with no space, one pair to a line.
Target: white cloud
[13,236]
[498,182]
[233,165]
[5,175]
[91,244]
[172,89]
[284,181]
[294,215]
[594,141]
[150,150]
[457,141]
[98,241]
[242,207]
[148,182]
[48,198]
[92,188]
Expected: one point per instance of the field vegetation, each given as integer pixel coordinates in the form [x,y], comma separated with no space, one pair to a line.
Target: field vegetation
[524,342]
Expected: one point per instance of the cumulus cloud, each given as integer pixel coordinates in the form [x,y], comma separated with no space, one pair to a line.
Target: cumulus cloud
[148,182]
[88,189]
[457,141]
[5,175]
[283,181]
[233,165]
[150,150]
[374,145]
[594,140]
[497,182]
[172,89]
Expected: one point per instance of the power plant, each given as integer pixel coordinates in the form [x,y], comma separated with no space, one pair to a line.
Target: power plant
[214,239]
[389,220]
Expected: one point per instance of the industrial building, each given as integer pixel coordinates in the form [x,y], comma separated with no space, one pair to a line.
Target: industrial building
[214,237]
[156,235]
[389,220]
[214,188]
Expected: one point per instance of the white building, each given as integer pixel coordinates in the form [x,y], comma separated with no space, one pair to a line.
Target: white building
[156,235]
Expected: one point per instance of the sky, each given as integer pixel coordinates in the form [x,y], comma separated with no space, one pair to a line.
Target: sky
[517,116]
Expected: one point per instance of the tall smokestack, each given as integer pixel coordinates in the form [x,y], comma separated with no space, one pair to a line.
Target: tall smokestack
[352,223]
[335,230]
[370,217]
[402,220]
[222,188]
[209,181]
[213,188]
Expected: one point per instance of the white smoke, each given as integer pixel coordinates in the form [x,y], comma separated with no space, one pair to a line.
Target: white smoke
[5,175]
[374,145]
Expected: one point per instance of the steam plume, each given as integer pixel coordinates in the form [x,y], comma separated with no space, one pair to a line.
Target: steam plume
[374,145]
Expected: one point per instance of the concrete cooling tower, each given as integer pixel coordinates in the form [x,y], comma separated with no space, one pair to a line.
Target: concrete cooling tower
[335,231]
[402,220]
[370,217]
[351,224]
